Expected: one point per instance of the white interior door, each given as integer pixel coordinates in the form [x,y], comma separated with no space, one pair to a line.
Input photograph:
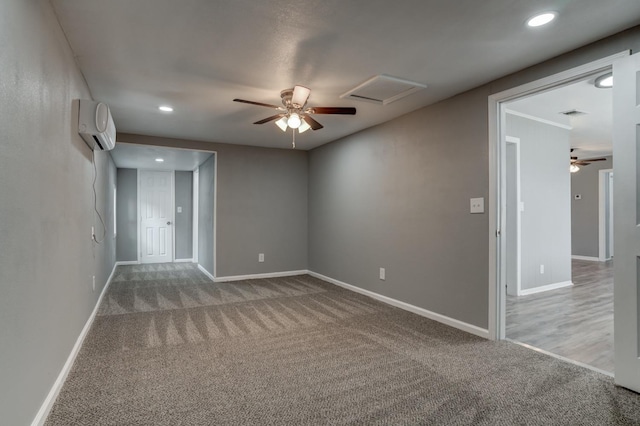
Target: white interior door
[626,141]
[156,216]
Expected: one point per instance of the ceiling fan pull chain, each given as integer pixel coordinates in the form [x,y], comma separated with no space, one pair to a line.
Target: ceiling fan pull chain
[293,131]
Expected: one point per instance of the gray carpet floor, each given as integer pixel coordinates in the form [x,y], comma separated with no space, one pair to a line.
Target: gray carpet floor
[169,347]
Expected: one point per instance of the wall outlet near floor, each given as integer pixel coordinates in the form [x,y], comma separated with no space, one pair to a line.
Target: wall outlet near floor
[476,205]
[542,269]
[382,274]
[260,257]
[94,283]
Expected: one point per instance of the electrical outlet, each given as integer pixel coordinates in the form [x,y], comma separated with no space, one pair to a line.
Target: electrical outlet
[542,269]
[382,274]
[94,283]
[477,205]
[261,257]
[179,209]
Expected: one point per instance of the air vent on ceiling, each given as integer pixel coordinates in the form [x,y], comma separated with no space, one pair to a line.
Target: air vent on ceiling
[383,89]
[573,113]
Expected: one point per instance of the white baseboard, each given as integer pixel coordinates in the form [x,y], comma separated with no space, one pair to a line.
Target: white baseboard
[554,286]
[469,328]
[258,276]
[589,258]
[45,408]
[127,262]
[207,273]
[183,260]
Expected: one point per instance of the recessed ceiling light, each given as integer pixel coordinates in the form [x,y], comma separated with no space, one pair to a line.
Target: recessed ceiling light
[541,19]
[160,160]
[165,108]
[604,81]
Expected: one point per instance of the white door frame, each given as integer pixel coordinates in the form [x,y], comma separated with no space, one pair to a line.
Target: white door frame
[497,199]
[516,141]
[602,203]
[173,207]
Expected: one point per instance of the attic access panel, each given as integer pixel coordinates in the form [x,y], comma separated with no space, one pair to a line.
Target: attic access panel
[383,89]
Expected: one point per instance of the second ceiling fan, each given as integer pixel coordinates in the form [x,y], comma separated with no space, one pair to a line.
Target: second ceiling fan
[294,113]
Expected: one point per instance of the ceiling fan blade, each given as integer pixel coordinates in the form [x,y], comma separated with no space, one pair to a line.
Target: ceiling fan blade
[595,159]
[313,123]
[581,163]
[257,103]
[332,110]
[268,119]
[300,96]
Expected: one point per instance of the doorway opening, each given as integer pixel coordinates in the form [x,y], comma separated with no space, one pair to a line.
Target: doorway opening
[166,205]
[547,273]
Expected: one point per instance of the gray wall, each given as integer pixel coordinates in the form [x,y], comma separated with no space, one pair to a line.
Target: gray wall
[184,220]
[47,257]
[584,212]
[262,205]
[546,194]
[206,206]
[127,212]
[397,196]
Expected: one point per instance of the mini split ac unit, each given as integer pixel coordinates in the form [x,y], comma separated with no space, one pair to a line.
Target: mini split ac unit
[95,125]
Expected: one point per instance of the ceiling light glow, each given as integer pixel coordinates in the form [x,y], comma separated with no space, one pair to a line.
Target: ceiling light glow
[604,81]
[160,160]
[573,168]
[294,121]
[541,19]
[165,108]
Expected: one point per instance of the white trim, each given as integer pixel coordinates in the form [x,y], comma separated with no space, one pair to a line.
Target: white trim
[183,261]
[469,328]
[542,288]
[48,402]
[560,357]
[496,203]
[127,262]
[196,195]
[589,258]
[538,119]
[258,276]
[215,214]
[207,273]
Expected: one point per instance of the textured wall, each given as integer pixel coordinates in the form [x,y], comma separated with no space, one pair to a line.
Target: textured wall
[127,214]
[184,219]
[397,196]
[47,257]
[546,194]
[261,205]
[585,221]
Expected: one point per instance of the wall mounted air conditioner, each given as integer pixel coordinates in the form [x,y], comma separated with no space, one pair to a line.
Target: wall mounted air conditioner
[95,125]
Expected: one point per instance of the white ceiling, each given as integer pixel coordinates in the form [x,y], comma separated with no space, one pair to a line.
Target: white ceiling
[198,55]
[591,134]
[131,156]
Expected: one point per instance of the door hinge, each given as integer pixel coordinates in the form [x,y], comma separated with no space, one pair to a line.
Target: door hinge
[497,232]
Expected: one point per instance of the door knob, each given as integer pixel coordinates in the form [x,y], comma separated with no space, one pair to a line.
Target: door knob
[168,223]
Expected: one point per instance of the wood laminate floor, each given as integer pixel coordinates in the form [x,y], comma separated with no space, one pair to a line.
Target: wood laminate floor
[575,322]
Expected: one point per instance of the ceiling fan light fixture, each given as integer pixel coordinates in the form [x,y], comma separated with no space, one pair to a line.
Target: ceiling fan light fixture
[294,120]
[300,96]
[573,168]
[282,123]
[304,126]
[604,81]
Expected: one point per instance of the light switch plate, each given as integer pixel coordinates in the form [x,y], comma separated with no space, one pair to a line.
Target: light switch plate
[179,209]
[477,205]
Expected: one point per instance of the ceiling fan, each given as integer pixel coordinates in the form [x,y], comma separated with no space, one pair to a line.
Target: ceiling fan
[293,113]
[575,162]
